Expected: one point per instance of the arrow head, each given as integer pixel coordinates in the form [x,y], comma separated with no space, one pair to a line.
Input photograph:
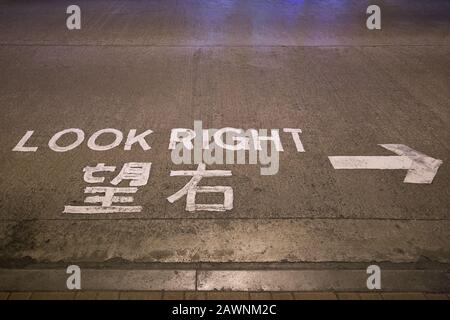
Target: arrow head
[423,168]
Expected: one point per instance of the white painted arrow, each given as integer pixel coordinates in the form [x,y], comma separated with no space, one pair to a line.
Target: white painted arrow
[421,168]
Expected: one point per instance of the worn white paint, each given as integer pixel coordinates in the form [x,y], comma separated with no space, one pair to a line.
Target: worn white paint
[137,172]
[206,173]
[100,209]
[109,196]
[132,138]
[191,189]
[107,200]
[53,141]
[181,135]
[239,137]
[274,137]
[92,142]
[100,167]
[228,138]
[421,168]
[20,147]
[296,137]
[227,199]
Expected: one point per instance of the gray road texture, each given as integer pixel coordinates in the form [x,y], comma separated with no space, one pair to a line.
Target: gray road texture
[247,64]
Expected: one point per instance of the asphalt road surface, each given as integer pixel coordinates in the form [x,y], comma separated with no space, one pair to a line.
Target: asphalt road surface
[160,65]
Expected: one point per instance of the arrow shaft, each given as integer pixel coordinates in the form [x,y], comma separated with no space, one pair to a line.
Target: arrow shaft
[372,162]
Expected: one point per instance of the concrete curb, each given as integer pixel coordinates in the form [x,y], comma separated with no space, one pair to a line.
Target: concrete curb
[225,280]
